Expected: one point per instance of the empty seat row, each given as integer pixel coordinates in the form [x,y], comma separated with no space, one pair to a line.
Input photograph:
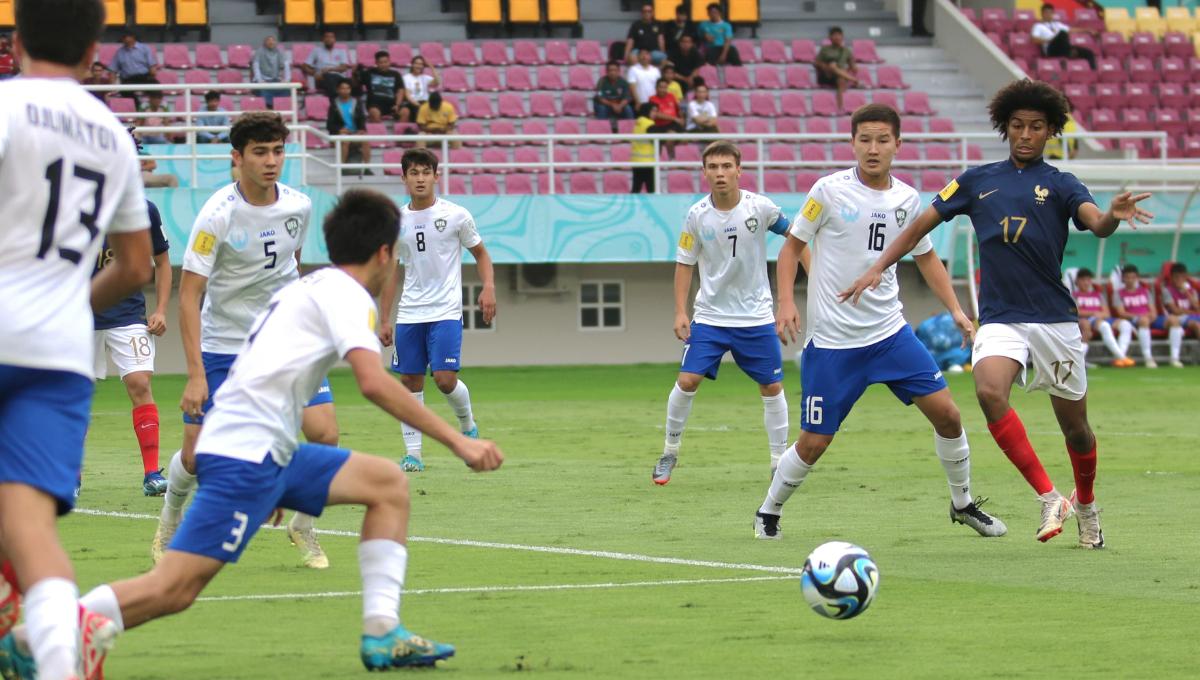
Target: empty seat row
[1116,19]
[1111,70]
[1021,45]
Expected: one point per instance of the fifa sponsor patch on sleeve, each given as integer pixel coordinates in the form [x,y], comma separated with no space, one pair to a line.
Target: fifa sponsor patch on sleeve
[812,209]
[205,242]
[686,241]
[373,320]
[947,192]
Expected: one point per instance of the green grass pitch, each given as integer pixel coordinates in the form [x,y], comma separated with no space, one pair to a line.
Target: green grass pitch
[580,445]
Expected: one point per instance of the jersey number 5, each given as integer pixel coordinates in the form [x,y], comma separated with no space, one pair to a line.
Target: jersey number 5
[54,175]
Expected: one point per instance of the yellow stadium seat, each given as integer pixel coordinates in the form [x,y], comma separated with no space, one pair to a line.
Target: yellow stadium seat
[338,12]
[700,10]
[524,12]
[743,12]
[1150,21]
[191,12]
[376,12]
[664,10]
[7,19]
[562,11]
[1180,20]
[300,12]
[114,12]
[1196,43]
[150,12]
[1117,20]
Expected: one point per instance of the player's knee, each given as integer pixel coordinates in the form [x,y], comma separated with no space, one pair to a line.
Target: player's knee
[322,433]
[445,383]
[413,383]
[992,399]
[947,421]
[1079,436]
[393,488]
[688,382]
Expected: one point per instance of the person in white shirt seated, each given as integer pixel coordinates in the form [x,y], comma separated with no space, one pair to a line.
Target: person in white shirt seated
[1054,38]
[701,112]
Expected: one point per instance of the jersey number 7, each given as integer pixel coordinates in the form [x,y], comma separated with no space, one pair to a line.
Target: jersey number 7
[54,175]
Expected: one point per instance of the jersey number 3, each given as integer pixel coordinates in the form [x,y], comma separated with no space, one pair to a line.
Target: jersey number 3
[54,175]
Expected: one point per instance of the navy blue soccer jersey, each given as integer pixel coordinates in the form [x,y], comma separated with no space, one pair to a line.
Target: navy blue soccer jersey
[1020,216]
[131,310]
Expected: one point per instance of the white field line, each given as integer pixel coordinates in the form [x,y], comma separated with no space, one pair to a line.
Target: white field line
[545,549]
[499,589]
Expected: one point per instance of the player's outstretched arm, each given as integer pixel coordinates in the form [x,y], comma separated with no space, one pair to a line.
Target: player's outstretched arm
[387,299]
[787,318]
[191,292]
[1124,207]
[935,274]
[683,286]
[129,271]
[487,274]
[479,454]
[156,323]
[900,246]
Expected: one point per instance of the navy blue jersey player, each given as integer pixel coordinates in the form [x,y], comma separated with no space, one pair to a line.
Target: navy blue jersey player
[1021,209]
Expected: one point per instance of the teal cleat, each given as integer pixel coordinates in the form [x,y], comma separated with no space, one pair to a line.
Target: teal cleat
[154,484]
[16,666]
[473,433]
[412,464]
[401,649]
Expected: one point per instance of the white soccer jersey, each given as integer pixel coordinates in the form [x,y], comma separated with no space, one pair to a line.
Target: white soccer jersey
[68,175]
[430,248]
[247,252]
[305,329]
[731,250]
[847,224]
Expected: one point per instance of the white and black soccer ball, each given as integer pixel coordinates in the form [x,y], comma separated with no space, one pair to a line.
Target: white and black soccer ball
[839,580]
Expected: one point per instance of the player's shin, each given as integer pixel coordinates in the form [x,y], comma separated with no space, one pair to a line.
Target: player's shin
[52,624]
[955,456]
[460,402]
[775,418]
[412,436]
[103,601]
[1084,466]
[180,484]
[1110,342]
[1144,342]
[382,563]
[788,477]
[679,405]
[1009,433]
[1175,340]
[145,428]
[1124,336]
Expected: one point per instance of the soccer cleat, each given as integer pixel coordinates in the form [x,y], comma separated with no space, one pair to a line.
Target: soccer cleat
[14,665]
[663,468]
[310,548]
[473,433]
[983,523]
[154,484]
[10,601]
[97,634]
[1055,511]
[766,527]
[1176,363]
[162,537]
[401,649]
[412,464]
[1091,536]
[1151,363]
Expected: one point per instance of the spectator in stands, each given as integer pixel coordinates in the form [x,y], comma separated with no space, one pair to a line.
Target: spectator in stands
[134,63]
[673,31]
[687,60]
[645,35]
[643,77]
[99,76]
[270,65]
[385,90]
[419,82]
[437,117]
[672,77]
[328,65]
[1132,309]
[643,152]
[155,180]
[8,62]
[348,117]
[215,116]
[835,64]
[1054,37]
[669,118]
[1093,317]
[613,95]
[702,111]
[154,104]
[717,35]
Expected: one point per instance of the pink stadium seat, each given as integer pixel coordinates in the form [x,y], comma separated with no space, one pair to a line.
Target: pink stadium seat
[1141,70]
[864,80]
[756,126]
[1088,18]
[747,50]
[517,78]
[176,56]
[800,77]
[1138,91]
[558,53]
[1079,71]
[681,182]
[1110,70]
[784,153]
[1135,119]
[1193,65]
[621,153]
[763,104]
[886,98]
[300,52]
[688,153]
[434,53]
[774,52]
[905,177]
[581,78]
[568,126]
[591,155]
[805,180]
[728,126]
[121,105]
[1173,95]
[495,155]
[1178,45]
[600,129]
[550,78]
[1173,70]
[995,19]
[471,127]
[525,52]
[1021,45]
[479,106]
[1114,45]
[1022,64]
[908,152]
[511,105]
[315,142]
[1086,41]
[841,125]
[518,185]
[1169,121]
[616,182]
[844,155]
[708,73]
[316,108]
[252,103]
[239,55]
[462,161]
[804,50]
[525,156]
[1023,20]
[777,182]
[824,103]
[365,53]
[768,78]
[912,126]
[1192,116]
[1080,96]
[933,180]
[401,54]
[588,52]
[197,77]
[1146,45]
[970,14]
[535,127]
[998,40]
[1049,70]
[939,152]
[749,181]
[817,126]
[974,152]
[1108,92]
[487,79]
[167,76]
[625,126]
[503,127]
[378,129]
[737,78]
[583,183]
[485,185]
[390,157]
[458,185]
[1191,147]
[813,152]
[1104,120]
[1194,94]
[454,79]
[788,124]
[227,102]
[462,53]
[917,103]
[107,52]
[494,53]
[731,104]
[576,104]
[941,126]
[749,153]
[851,100]
[864,51]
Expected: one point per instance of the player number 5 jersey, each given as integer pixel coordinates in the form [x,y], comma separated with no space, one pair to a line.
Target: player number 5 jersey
[430,248]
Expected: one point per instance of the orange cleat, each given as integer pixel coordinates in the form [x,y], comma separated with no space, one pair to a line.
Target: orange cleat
[97,634]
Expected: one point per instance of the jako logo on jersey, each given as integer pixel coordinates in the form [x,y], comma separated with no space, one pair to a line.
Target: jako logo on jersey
[293,226]
[937,376]
[451,360]
[439,224]
[752,224]
[1040,194]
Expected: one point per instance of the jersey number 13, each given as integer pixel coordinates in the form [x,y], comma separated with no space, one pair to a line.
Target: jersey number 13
[54,175]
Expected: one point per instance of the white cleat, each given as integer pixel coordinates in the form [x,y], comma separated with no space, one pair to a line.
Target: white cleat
[1150,363]
[766,527]
[983,523]
[162,537]
[1176,363]
[1055,511]
[1091,536]
[310,548]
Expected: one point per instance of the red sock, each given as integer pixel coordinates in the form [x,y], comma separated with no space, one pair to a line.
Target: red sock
[1085,473]
[1009,434]
[145,428]
[10,574]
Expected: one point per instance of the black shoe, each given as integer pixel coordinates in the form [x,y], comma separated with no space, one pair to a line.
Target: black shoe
[766,526]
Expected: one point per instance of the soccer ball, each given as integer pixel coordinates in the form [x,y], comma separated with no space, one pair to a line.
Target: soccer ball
[839,580]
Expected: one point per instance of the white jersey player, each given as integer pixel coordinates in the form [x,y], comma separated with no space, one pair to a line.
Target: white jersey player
[847,221]
[244,246]
[69,179]
[429,324]
[725,234]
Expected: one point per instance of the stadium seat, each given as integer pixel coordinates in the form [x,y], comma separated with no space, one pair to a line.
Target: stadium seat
[378,129]
[1081,97]
[1141,70]
[970,14]
[731,104]
[208,55]
[777,182]
[1021,45]
[563,157]
[390,157]
[941,126]
[598,129]
[525,52]
[378,12]
[851,100]
[887,99]
[487,79]
[1023,20]
[434,53]
[568,126]
[524,12]
[1192,116]
[252,103]
[364,53]
[681,182]
[562,12]
[864,80]
[588,52]
[804,50]
[1110,70]
[616,182]
[789,124]
[933,180]
[535,127]
[1049,70]
[485,12]
[774,52]
[150,12]
[582,183]
[756,126]
[727,126]
[591,156]
[737,78]
[471,127]
[864,51]
[581,78]
[455,80]
[1115,45]
[1178,45]
[120,105]
[239,56]
[1173,70]
[1086,41]
[191,13]
[462,53]
[1117,20]
[908,153]
[316,108]
[176,56]
[197,77]
[1104,120]
[485,184]
[841,125]
[747,50]
[1178,19]
[917,103]
[480,106]
[1169,121]
[708,73]
[512,105]
[805,180]
[495,155]
[799,77]
[748,181]
[168,76]
[1149,20]
[231,76]
[576,104]
[995,20]
[824,103]
[1087,18]
[515,78]
[548,78]
[525,157]
[1146,45]
[401,54]
[558,53]
[911,126]
[462,161]
[785,153]
[812,152]
[1079,71]
[518,185]
[458,185]
[843,155]
[1173,95]
[299,13]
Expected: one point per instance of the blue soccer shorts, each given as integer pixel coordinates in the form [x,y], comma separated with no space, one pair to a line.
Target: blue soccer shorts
[755,349]
[832,380]
[236,496]
[216,370]
[43,421]
[1160,323]
[433,345]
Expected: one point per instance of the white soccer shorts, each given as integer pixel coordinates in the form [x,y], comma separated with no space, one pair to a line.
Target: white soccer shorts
[1055,351]
[131,348]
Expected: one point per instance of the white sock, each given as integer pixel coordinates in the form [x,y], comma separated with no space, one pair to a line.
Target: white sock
[103,601]
[52,623]
[1175,337]
[1124,335]
[679,405]
[955,455]
[382,563]
[775,418]
[1144,341]
[180,484]
[1110,342]
[301,522]
[460,401]
[1085,350]
[412,436]
[788,477]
